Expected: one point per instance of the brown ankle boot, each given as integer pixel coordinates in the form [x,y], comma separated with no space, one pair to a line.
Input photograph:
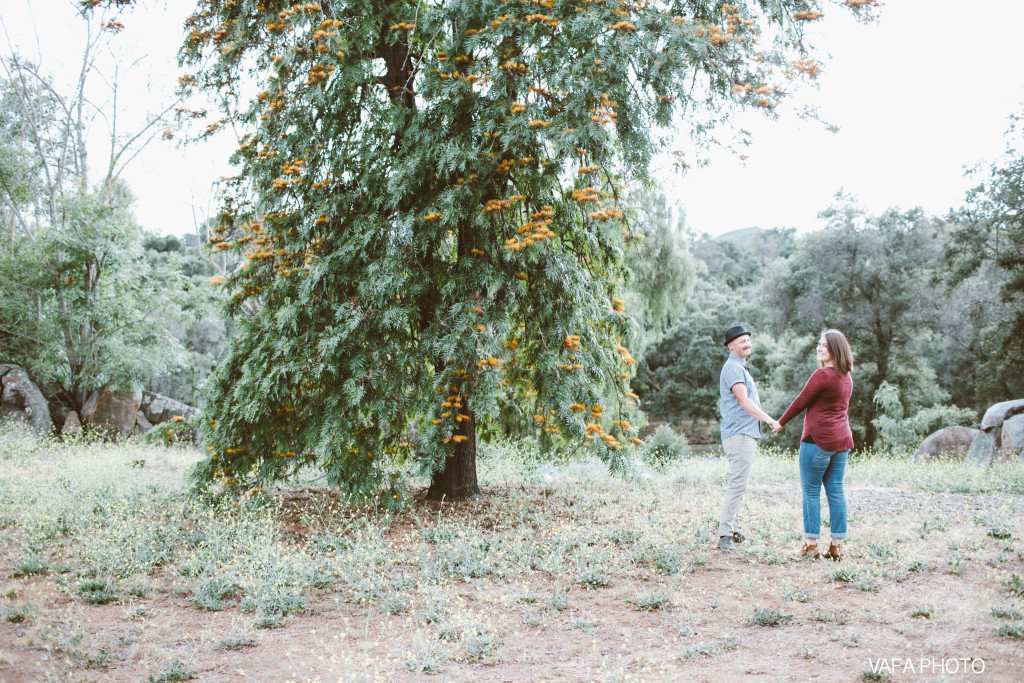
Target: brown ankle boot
[810,549]
[835,552]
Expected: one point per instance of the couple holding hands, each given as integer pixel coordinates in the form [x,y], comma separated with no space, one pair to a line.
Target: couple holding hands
[824,446]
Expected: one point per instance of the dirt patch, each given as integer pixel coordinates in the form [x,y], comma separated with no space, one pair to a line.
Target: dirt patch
[923,574]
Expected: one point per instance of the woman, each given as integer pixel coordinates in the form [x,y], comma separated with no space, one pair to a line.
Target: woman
[826,441]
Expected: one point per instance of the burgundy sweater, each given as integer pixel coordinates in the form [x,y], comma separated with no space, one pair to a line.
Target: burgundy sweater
[826,397]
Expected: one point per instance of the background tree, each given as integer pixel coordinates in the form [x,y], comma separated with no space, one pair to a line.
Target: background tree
[662,271]
[78,296]
[985,253]
[872,278]
[428,204]
[678,376]
[195,317]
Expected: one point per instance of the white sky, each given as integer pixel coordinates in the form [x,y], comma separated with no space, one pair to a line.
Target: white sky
[918,97]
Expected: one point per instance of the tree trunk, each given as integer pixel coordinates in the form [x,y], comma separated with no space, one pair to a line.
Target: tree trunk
[456,480]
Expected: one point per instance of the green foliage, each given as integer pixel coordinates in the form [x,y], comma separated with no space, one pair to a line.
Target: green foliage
[194,317]
[677,378]
[870,277]
[711,648]
[987,246]
[1014,631]
[838,617]
[923,612]
[428,208]
[662,271]
[649,602]
[33,565]
[664,447]
[176,670]
[1011,613]
[901,433]
[80,299]
[81,303]
[679,374]
[173,432]
[211,593]
[236,641]
[480,647]
[21,614]
[768,616]
[97,591]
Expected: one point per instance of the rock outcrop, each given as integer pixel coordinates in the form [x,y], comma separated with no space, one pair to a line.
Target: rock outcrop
[72,425]
[947,442]
[1012,436]
[21,400]
[142,425]
[988,444]
[158,408]
[112,411]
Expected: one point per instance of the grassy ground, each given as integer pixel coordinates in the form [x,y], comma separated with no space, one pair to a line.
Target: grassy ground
[109,571]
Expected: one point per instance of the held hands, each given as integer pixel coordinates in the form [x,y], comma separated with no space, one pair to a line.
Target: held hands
[776,427]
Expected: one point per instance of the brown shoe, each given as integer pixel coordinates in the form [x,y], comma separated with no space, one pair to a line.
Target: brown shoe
[810,550]
[835,552]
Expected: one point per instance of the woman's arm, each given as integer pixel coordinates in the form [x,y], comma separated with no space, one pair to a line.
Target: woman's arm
[810,392]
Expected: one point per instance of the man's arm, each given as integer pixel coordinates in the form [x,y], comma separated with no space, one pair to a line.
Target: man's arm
[739,390]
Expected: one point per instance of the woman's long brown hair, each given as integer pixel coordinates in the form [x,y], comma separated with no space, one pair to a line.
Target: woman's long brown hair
[839,350]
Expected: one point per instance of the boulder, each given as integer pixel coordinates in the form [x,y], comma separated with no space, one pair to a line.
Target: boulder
[983,448]
[112,411]
[72,425]
[142,425]
[21,400]
[158,408]
[987,445]
[59,413]
[1000,412]
[1012,437]
[947,442]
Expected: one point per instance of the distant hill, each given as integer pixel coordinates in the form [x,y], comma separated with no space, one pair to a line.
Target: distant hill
[742,237]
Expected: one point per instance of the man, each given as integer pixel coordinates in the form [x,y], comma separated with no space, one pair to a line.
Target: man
[741,428]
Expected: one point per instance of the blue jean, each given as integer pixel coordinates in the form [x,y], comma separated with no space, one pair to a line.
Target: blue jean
[817,467]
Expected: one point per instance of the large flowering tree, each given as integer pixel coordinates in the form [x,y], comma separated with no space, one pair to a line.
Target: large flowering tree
[427,206]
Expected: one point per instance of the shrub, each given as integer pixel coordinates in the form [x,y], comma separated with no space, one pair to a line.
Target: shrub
[31,565]
[20,615]
[97,592]
[1007,613]
[481,646]
[649,602]
[211,593]
[236,641]
[839,617]
[557,602]
[1000,531]
[905,433]
[923,612]
[766,616]
[1015,631]
[176,670]
[664,447]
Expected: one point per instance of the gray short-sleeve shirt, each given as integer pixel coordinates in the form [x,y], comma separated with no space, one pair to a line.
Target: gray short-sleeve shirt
[735,420]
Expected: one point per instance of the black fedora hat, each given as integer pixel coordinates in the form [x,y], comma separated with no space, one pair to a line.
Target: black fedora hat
[733,332]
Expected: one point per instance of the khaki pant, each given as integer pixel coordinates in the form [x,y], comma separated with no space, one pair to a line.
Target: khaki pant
[739,449]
